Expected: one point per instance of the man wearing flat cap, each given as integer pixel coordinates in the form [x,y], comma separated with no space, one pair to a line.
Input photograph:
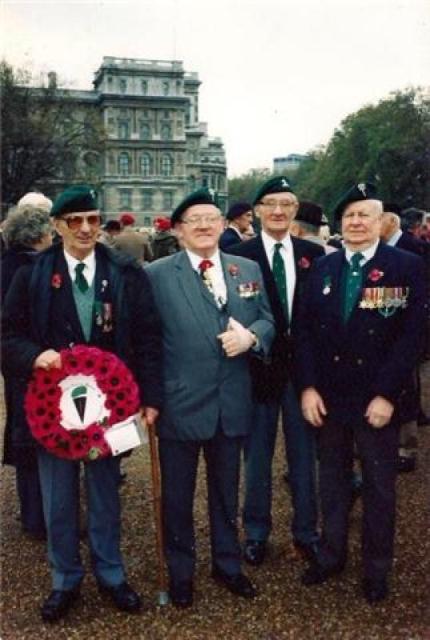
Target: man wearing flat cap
[239,218]
[308,222]
[81,292]
[285,263]
[360,330]
[215,318]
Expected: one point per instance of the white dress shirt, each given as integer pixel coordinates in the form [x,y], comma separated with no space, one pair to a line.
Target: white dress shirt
[287,254]
[366,253]
[218,284]
[90,266]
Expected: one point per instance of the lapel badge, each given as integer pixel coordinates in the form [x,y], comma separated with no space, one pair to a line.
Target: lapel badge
[326,285]
[362,187]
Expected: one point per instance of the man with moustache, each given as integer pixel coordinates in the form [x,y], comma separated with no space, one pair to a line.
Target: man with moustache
[51,305]
[214,314]
[285,262]
[360,330]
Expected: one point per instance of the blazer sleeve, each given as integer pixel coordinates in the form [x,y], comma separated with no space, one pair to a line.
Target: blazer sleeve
[264,326]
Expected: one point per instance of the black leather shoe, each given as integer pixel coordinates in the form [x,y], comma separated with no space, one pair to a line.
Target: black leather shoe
[123,596]
[316,574]
[57,604]
[375,590]
[406,464]
[181,593]
[237,584]
[305,551]
[254,552]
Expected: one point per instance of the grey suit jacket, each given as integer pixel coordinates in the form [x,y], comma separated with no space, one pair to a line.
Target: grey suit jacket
[203,387]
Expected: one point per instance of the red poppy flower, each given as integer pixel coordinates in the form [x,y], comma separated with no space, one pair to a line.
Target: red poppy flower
[304,263]
[375,275]
[56,281]
[233,270]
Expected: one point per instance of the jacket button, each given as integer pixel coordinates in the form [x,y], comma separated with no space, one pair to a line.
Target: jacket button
[371,332]
[359,361]
[336,358]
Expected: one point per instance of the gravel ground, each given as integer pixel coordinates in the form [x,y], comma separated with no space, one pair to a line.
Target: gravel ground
[283,609]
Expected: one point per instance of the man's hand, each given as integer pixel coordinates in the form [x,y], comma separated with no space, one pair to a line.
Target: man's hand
[237,339]
[149,415]
[48,359]
[313,407]
[379,412]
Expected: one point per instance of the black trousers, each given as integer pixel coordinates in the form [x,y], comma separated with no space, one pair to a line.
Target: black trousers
[377,451]
[179,462]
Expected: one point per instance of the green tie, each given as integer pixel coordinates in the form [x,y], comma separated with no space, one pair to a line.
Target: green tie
[80,279]
[278,270]
[353,282]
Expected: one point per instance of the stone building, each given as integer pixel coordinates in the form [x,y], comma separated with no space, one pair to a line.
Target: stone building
[156,148]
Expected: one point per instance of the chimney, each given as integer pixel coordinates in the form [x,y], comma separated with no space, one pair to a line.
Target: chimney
[52,80]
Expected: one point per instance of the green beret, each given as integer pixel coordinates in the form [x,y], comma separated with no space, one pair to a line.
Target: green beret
[278,184]
[361,191]
[75,199]
[201,196]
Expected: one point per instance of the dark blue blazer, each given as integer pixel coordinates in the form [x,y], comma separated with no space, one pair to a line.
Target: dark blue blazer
[228,238]
[372,354]
[269,378]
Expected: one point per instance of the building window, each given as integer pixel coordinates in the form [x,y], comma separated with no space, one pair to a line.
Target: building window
[147,221]
[145,164]
[166,132]
[123,85]
[125,198]
[205,181]
[124,164]
[167,200]
[165,88]
[146,200]
[144,87]
[178,87]
[166,165]
[123,130]
[145,131]
[165,114]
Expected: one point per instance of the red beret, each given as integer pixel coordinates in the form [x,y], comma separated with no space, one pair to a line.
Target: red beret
[127,219]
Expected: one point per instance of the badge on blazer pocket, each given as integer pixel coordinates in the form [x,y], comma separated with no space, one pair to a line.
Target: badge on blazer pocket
[249,289]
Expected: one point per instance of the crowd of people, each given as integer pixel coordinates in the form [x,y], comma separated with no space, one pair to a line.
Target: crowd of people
[231,327]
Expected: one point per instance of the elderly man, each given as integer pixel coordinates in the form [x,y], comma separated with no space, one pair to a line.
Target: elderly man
[50,306]
[285,263]
[239,218]
[360,330]
[214,315]
[308,222]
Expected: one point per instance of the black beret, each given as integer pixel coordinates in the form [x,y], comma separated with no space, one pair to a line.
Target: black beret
[237,209]
[392,207]
[75,199]
[360,191]
[112,225]
[201,196]
[278,184]
[311,213]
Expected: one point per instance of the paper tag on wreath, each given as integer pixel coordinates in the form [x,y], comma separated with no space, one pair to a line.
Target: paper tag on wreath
[126,435]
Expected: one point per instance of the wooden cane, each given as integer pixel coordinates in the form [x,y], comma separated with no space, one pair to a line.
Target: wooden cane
[163,597]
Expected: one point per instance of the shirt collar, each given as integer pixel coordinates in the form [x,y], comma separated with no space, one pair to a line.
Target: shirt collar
[269,242]
[89,261]
[395,238]
[366,253]
[196,259]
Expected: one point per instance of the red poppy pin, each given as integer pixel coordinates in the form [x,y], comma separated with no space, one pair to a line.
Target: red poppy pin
[56,281]
[233,270]
[375,275]
[304,263]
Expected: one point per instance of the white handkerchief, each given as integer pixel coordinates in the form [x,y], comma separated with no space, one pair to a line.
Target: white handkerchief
[126,435]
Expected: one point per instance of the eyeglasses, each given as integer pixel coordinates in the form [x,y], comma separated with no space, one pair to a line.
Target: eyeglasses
[272,204]
[196,221]
[75,221]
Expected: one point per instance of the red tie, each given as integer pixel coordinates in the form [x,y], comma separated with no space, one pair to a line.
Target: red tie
[204,265]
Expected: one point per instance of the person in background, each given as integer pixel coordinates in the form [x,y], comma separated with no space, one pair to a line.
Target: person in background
[110,231]
[285,262]
[215,316]
[27,231]
[132,242]
[35,199]
[164,242]
[239,218]
[360,331]
[308,223]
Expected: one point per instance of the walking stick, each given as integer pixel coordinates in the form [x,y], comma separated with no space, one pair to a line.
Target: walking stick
[163,597]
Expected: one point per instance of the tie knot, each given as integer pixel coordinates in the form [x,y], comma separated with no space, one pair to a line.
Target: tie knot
[278,246]
[80,268]
[356,258]
[205,264]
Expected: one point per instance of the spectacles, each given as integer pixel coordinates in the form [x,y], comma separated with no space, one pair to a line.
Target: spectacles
[75,222]
[272,204]
[195,221]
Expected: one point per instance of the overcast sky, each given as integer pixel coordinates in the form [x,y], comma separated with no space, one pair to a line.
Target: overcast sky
[277,75]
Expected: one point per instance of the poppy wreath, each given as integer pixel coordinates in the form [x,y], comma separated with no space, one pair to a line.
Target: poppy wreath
[69,410]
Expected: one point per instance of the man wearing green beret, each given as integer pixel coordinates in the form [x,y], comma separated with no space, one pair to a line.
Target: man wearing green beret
[215,316]
[360,332]
[81,292]
[285,262]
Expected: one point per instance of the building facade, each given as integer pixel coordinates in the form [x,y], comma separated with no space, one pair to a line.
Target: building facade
[157,150]
[288,164]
